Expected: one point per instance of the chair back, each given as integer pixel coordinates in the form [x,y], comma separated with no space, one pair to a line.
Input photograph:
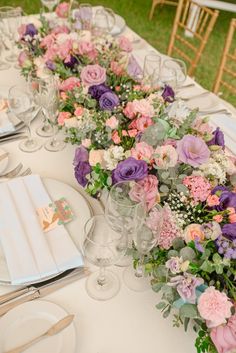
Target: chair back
[192,26]
[161,2]
[227,68]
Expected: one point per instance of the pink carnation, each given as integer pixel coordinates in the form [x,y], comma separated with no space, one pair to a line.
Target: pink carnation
[92,75]
[115,137]
[117,68]
[112,122]
[146,188]
[143,123]
[87,48]
[198,186]
[47,41]
[125,44]
[62,10]
[69,84]
[132,133]
[64,50]
[129,110]
[144,108]
[214,307]
[213,200]
[79,111]
[142,151]
[62,117]
[224,337]
[218,218]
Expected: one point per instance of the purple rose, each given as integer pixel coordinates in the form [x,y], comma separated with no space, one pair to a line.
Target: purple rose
[130,169]
[193,150]
[218,138]
[82,166]
[31,30]
[186,286]
[50,65]
[133,69]
[229,231]
[168,94]
[108,101]
[97,91]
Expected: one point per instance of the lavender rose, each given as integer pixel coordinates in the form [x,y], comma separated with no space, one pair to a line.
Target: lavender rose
[218,138]
[92,75]
[186,286]
[51,65]
[229,231]
[98,90]
[130,169]
[108,101]
[31,30]
[193,150]
[168,94]
[82,166]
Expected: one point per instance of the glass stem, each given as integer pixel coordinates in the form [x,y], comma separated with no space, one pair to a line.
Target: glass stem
[29,132]
[101,277]
[54,141]
[139,269]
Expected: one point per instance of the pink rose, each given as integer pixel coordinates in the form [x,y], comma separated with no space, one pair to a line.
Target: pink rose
[69,84]
[47,41]
[115,137]
[201,126]
[125,44]
[112,122]
[62,117]
[86,143]
[146,188]
[62,10]
[92,75]
[24,60]
[218,218]
[142,151]
[213,200]
[129,110]
[51,53]
[79,111]
[132,133]
[165,157]
[96,156]
[224,337]
[143,123]
[87,48]
[192,232]
[232,218]
[65,50]
[231,210]
[214,307]
[60,29]
[144,108]
[117,68]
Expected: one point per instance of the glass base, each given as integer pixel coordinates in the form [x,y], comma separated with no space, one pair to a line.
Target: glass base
[55,145]
[4,66]
[45,131]
[103,292]
[29,145]
[135,283]
[125,261]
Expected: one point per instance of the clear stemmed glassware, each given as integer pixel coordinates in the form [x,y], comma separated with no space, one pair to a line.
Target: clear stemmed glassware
[50,4]
[83,15]
[100,23]
[101,248]
[180,67]
[123,212]
[10,18]
[144,239]
[41,90]
[21,104]
[168,76]
[151,68]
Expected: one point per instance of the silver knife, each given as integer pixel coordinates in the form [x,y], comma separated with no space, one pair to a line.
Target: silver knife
[42,290]
[17,136]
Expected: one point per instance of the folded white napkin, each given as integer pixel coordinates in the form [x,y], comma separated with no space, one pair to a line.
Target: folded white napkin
[30,253]
[5,124]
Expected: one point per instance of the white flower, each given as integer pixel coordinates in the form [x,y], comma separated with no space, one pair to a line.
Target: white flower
[178,112]
[216,167]
[112,156]
[72,122]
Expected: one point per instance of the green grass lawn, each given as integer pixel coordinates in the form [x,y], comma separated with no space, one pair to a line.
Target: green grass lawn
[157,31]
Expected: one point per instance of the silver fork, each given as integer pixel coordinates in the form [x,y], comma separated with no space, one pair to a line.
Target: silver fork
[12,173]
[28,171]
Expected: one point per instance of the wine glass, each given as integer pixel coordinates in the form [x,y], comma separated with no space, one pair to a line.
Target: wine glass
[144,239]
[121,211]
[151,68]
[41,90]
[20,102]
[180,67]
[83,16]
[101,248]
[168,77]
[100,23]
[55,144]
[50,4]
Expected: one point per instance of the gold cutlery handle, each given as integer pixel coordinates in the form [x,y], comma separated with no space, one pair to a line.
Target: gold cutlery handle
[24,298]
[23,347]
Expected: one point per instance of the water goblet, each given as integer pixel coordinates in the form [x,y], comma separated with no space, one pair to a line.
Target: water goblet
[100,23]
[50,4]
[41,90]
[101,248]
[83,16]
[151,68]
[180,67]
[21,104]
[168,77]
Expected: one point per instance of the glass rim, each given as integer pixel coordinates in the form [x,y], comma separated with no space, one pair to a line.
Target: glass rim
[121,203]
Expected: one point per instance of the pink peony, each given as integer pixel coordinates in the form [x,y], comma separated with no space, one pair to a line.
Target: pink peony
[143,123]
[129,110]
[144,108]
[146,189]
[224,337]
[92,75]
[112,122]
[62,117]
[214,307]
[117,68]
[69,84]
[115,137]
[198,186]
[62,10]
[193,232]
[125,44]
[165,157]
[142,151]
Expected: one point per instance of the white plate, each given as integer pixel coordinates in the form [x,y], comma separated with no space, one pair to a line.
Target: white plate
[57,189]
[207,102]
[4,162]
[30,320]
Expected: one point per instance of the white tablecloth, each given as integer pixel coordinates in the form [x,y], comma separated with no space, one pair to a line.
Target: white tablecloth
[128,323]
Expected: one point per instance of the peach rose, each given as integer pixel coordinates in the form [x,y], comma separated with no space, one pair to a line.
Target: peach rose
[213,200]
[96,156]
[218,218]
[62,10]
[62,117]
[117,68]
[232,218]
[192,232]
[142,151]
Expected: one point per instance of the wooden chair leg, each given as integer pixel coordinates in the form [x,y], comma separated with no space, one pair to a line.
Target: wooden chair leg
[154,4]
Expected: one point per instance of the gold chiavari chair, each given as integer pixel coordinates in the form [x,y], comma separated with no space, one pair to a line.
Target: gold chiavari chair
[192,26]
[227,68]
[161,2]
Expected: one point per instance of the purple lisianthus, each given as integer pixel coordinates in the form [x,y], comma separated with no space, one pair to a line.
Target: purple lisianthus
[226,198]
[193,150]
[218,138]
[130,169]
[82,166]
[108,101]
[186,286]
[31,30]
[168,94]
[133,68]
[51,65]
[72,62]
[97,91]
[229,231]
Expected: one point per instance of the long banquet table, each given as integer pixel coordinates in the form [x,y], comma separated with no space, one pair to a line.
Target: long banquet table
[128,323]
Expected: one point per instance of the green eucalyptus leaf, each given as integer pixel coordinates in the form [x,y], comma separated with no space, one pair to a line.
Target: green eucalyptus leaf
[188,311]
[172,253]
[161,305]
[217,258]
[207,266]
[165,175]
[156,287]
[182,188]
[187,253]
[164,189]
[178,243]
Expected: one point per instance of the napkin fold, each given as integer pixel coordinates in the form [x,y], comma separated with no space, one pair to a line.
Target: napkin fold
[30,253]
[5,124]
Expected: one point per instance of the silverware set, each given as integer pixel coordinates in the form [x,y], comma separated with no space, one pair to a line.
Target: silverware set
[15,172]
[14,135]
